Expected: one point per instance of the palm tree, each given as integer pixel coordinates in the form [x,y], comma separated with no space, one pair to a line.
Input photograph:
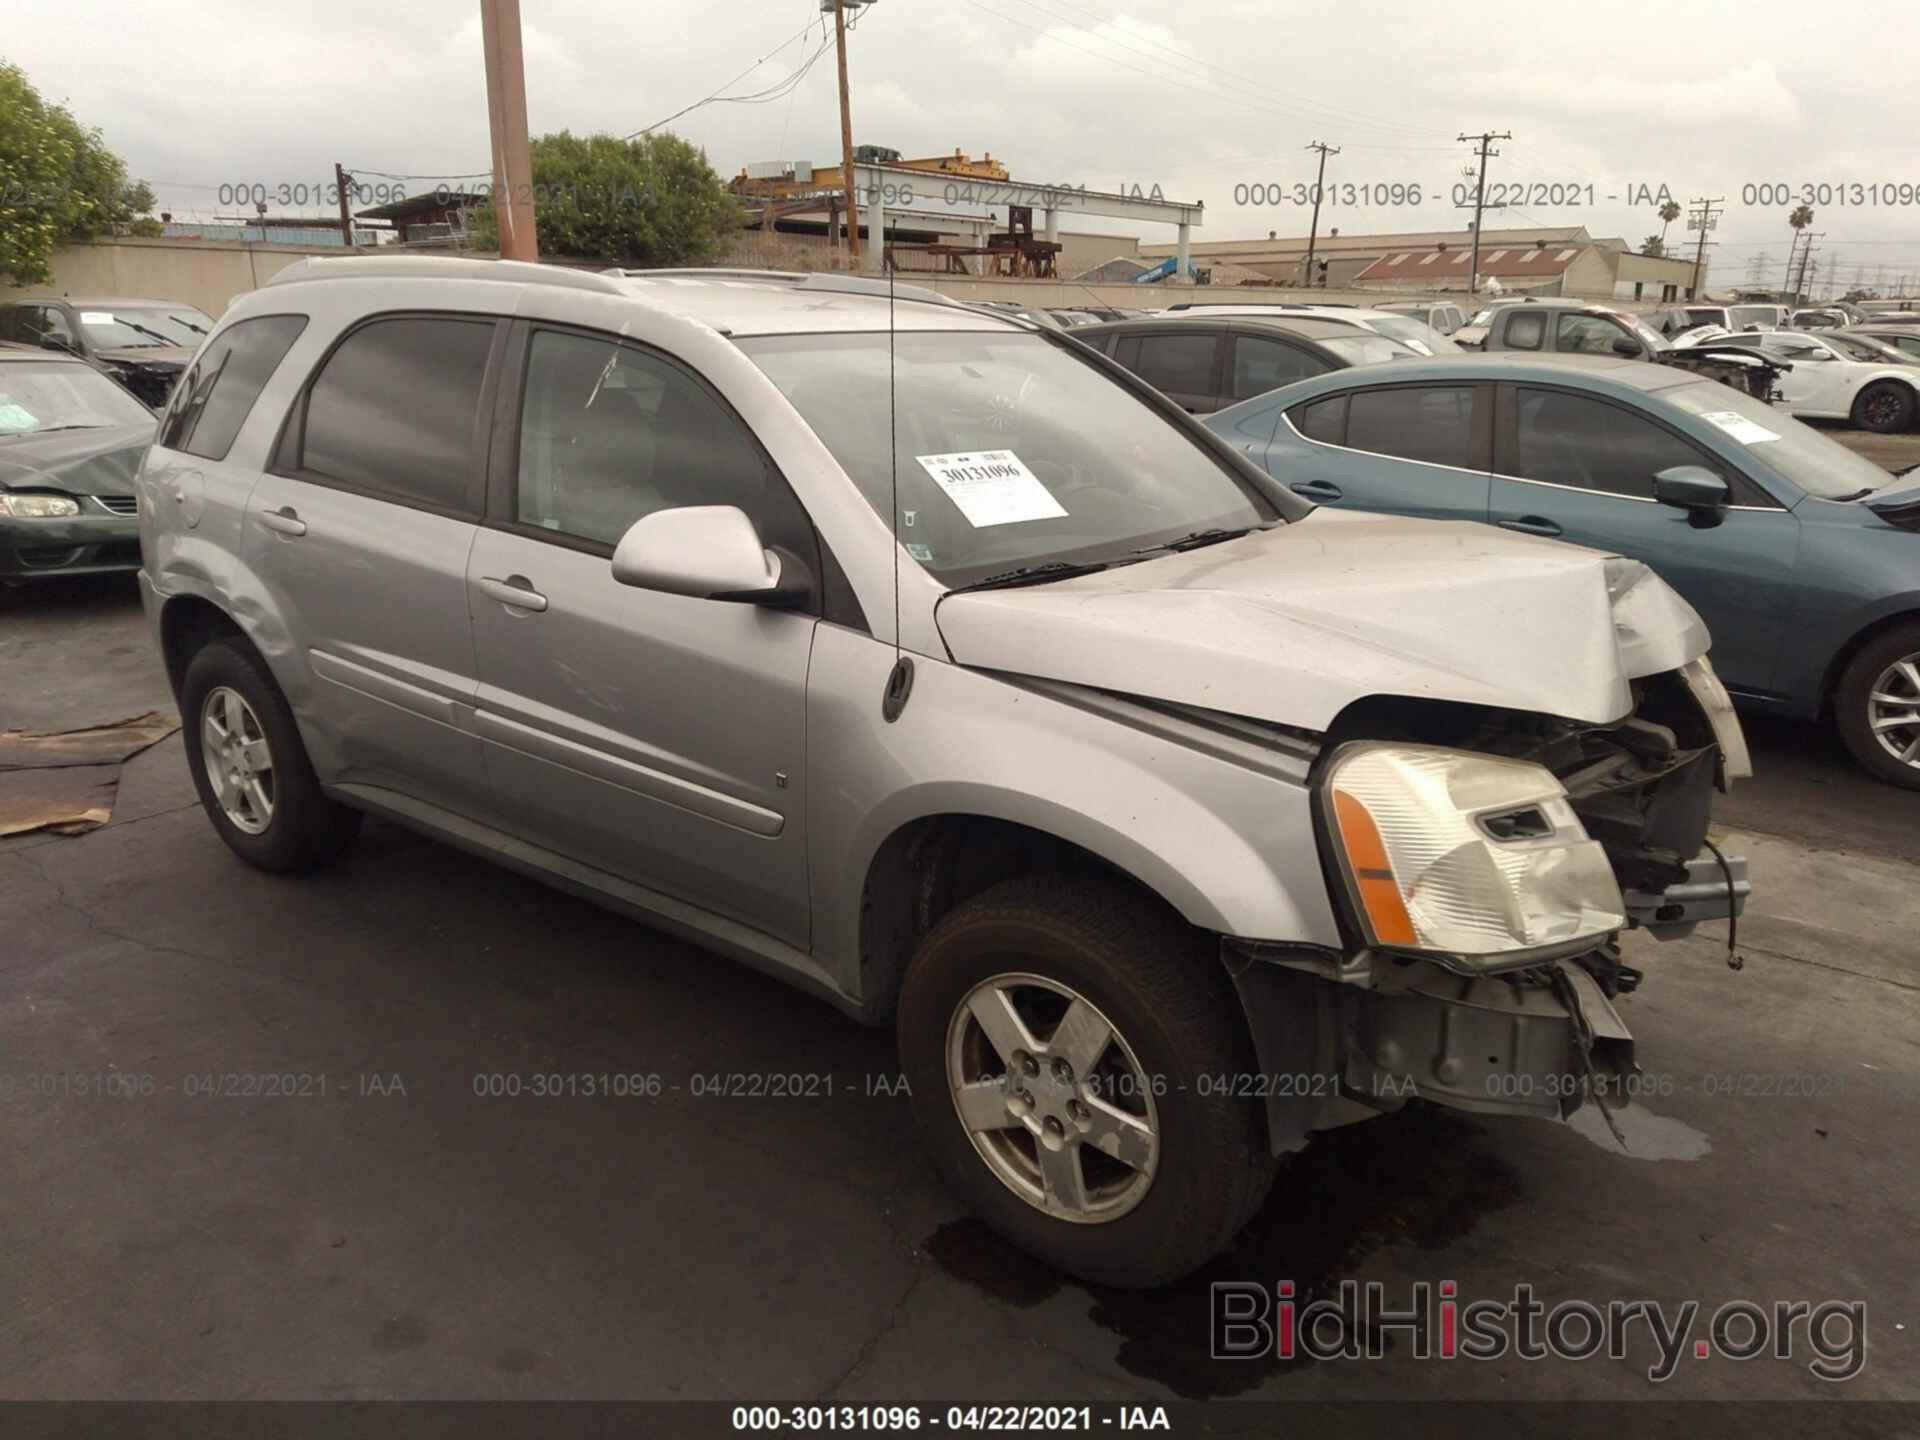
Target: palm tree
[1801,217]
[1669,213]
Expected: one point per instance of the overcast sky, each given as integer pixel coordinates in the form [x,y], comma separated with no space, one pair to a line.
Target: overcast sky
[1201,97]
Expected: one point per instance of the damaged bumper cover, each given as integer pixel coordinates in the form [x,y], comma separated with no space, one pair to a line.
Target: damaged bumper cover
[1537,1042]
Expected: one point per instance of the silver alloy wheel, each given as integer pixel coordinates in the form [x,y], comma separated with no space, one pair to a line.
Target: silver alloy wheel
[1893,710]
[238,760]
[1067,1122]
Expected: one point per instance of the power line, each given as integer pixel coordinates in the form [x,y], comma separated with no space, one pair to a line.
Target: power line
[716,95]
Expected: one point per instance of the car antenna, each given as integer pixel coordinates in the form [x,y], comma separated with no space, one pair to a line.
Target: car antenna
[900,680]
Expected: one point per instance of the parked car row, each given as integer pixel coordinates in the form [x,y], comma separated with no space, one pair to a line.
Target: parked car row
[938,664]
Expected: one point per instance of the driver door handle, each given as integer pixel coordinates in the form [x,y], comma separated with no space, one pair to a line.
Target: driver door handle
[1533,525]
[1317,489]
[284,521]
[515,591]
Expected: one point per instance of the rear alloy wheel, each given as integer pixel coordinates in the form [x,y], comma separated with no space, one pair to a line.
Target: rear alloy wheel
[1886,407]
[1068,1042]
[1878,706]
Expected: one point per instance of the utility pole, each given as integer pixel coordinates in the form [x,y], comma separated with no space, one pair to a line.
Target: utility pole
[1806,256]
[507,118]
[1706,220]
[343,183]
[1313,234]
[846,136]
[1486,138]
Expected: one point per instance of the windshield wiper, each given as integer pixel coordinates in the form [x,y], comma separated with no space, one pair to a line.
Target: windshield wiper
[1040,574]
[1195,540]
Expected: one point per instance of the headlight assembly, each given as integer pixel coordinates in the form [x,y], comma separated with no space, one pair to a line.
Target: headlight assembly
[38,507]
[1469,859]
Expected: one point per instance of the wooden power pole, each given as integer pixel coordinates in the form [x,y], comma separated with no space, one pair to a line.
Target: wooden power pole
[507,117]
[846,134]
[1486,138]
[1706,222]
[343,182]
[1313,232]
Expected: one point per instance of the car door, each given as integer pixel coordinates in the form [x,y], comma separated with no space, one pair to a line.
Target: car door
[1579,467]
[655,737]
[358,535]
[1183,364]
[1411,449]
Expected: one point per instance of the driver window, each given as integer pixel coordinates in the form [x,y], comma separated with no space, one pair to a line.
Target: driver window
[1571,440]
[1586,334]
[609,434]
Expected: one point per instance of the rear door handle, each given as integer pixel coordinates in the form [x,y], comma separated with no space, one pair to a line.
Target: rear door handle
[516,591]
[283,521]
[1534,525]
[1317,489]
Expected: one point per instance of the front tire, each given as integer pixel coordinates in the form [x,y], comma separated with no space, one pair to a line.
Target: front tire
[1886,407]
[1877,706]
[250,767]
[1069,1044]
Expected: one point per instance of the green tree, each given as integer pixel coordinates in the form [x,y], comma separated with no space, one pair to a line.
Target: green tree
[653,201]
[1653,245]
[58,182]
[1669,213]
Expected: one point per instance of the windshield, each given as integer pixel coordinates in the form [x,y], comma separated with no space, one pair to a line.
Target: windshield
[1753,315]
[1818,465]
[35,398]
[128,327]
[1370,349]
[1008,450]
[1422,337]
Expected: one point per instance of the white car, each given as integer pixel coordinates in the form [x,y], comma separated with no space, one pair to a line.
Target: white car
[1836,378]
[1416,335]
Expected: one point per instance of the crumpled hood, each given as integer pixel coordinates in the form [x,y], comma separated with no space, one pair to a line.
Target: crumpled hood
[100,461]
[1293,624]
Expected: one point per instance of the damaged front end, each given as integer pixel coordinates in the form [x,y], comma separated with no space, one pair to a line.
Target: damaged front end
[1531,1028]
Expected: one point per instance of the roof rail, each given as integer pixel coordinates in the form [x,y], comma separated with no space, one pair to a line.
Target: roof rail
[824,282]
[446,267]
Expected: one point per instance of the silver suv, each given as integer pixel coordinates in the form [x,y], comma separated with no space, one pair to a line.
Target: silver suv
[934,663]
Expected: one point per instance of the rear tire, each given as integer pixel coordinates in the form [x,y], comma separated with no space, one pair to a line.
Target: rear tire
[1164,1177]
[1881,686]
[1885,407]
[250,767]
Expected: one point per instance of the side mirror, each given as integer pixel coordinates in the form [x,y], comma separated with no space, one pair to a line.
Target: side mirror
[708,552]
[1696,490]
[1631,349]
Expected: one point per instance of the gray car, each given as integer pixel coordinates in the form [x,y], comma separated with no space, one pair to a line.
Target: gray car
[144,344]
[937,665]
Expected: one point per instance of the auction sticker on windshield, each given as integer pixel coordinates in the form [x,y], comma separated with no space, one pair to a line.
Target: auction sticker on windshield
[1740,427]
[991,487]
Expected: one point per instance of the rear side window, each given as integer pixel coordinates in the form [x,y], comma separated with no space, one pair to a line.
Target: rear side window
[1526,330]
[1323,420]
[394,410]
[1180,364]
[218,393]
[1429,423]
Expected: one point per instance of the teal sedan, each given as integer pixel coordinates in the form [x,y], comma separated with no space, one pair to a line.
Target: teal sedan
[1802,557]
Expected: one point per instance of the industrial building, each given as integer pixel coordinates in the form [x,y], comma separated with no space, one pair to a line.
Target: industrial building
[1545,260]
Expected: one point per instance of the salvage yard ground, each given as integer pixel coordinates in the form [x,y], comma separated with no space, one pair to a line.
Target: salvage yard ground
[388,1230]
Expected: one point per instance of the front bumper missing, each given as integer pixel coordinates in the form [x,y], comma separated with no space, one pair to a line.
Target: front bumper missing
[1333,1053]
[1708,893]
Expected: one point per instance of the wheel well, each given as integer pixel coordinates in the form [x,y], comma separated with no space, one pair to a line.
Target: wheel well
[1838,666]
[928,866]
[186,624]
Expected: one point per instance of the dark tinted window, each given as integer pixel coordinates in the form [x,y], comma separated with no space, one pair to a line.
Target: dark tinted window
[1430,423]
[1260,365]
[1177,363]
[214,399]
[393,410]
[609,434]
[1572,440]
[1323,420]
[1526,330]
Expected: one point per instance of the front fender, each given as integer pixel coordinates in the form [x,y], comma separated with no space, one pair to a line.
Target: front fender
[1226,840]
